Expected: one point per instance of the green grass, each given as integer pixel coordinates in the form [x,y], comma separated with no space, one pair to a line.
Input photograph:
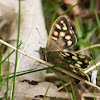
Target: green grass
[68,10]
[66,90]
[2,81]
[16,59]
[84,34]
[33,70]
[46,92]
[7,81]
[73,91]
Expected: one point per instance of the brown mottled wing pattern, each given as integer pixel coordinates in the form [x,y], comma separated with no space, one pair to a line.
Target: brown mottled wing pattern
[61,35]
[78,60]
[73,62]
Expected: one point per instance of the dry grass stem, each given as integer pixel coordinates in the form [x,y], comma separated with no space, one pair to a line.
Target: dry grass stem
[61,87]
[96,45]
[48,64]
[92,67]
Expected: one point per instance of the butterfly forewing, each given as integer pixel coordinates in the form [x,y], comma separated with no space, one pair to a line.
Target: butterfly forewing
[61,35]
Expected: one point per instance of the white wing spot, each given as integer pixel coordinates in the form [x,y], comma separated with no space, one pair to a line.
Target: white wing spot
[69,43]
[64,28]
[64,25]
[62,54]
[70,31]
[58,26]
[62,34]
[68,37]
[75,58]
[74,71]
[71,66]
[55,33]
[61,21]
[86,61]
[79,62]
[81,56]
[54,38]
[67,54]
[77,65]
[73,53]
[70,27]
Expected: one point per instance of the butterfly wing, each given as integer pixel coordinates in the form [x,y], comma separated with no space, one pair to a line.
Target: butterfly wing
[77,60]
[73,62]
[61,35]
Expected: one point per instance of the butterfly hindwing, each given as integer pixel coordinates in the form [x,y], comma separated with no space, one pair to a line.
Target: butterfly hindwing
[61,35]
[77,60]
[73,62]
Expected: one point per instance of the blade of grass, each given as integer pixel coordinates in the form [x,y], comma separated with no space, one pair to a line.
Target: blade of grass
[79,27]
[7,81]
[46,92]
[97,18]
[73,90]
[91,8]
[37,59]
[39,69]
[91,32]
[68,10]
[66,90]
[92,4]
[66,72]
[3,81]
[13,88]
[98,21]
[10,54]
[32,70]
[94,59]
[1,57]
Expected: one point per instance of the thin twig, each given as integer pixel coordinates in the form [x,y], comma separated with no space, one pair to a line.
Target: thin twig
[96,45]
[92,67]
[61,87]
[48,64]
[39,60]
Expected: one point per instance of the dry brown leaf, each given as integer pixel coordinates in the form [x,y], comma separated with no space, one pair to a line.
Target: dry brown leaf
[36,90]
[31,18]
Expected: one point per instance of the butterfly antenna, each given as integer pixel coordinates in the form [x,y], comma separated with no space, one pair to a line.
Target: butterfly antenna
[40,37]
[42,42]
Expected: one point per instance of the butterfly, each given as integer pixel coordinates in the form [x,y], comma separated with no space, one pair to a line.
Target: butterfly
[62,37]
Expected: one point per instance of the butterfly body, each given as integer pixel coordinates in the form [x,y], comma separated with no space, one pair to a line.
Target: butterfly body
[61,37]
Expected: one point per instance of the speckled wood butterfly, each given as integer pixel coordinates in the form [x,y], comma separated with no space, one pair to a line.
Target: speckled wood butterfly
[61,37]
